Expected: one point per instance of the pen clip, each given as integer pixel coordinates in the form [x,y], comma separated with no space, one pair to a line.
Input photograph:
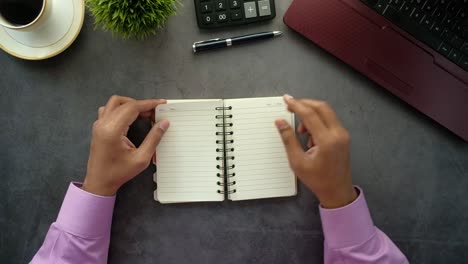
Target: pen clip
[206,41]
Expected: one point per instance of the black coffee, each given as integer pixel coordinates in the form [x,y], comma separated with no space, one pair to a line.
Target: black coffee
[20,12]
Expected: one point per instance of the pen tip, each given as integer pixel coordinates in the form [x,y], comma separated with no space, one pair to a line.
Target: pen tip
[277,33]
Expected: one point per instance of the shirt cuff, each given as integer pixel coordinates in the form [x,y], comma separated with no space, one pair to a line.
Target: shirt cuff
[85,214]
[349,225]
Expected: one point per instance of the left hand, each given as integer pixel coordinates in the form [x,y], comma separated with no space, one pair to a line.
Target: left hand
[113,158]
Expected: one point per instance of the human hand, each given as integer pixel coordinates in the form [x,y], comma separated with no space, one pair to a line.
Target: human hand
[113,158]
[325,167]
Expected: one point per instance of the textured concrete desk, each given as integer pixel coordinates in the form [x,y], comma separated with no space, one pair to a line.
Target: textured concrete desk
[414,172]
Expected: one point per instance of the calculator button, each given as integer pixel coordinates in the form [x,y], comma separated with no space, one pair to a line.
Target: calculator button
[250,9]
[234,4]
[264,8]
[220,5]
[236,15]
[221,17]
[207,7]
[208,19]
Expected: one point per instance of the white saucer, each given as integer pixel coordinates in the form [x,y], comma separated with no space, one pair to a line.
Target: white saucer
[56,32]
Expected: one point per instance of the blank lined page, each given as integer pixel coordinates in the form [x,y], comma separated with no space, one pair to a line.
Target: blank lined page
[261,165]
[186,155]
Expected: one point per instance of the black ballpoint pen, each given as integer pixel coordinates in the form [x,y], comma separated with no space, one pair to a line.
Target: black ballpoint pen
[223,43]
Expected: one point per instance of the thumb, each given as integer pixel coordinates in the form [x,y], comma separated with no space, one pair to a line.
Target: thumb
[153,138]
[293,148]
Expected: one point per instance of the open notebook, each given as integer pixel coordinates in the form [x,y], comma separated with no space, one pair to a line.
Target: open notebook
[222,149]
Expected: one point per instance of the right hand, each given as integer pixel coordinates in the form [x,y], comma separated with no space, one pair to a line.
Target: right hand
[325,167]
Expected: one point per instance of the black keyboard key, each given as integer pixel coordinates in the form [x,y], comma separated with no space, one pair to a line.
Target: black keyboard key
[453,8]
[418,3]
[456,42]
[436,29]
[417,16]
[458,29]
[380,6]
[445,49]
[427,22]
[455,55]
[464,63]
[456,21]
[464,48]
[448,22]
[397,3]
[444,2]
[462,14]
[429,7]
[447,34]
[407,9]
[439,15]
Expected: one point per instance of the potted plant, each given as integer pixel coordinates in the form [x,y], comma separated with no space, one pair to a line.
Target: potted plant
[131,18]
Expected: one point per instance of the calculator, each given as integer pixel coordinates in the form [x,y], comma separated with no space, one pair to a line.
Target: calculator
[221,13]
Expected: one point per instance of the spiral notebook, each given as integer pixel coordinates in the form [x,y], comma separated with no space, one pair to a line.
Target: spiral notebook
[222,149]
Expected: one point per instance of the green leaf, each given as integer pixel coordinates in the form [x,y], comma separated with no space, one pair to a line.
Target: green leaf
[132,18]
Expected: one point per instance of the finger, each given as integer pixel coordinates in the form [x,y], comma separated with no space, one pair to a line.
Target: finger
[311,151]
[153,117]
[101,112]
[153,138]
[292,145]
[125,132]
[301,129]
[310,141]
[327,114]
[127,113]
[116,101]
[146,114]
[308,115]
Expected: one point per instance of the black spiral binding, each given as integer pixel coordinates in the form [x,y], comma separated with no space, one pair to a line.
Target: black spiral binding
[224,179]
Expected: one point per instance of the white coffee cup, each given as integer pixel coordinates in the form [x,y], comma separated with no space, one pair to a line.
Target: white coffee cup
[27,14]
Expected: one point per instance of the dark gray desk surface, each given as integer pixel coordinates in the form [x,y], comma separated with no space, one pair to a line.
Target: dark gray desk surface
[414,172]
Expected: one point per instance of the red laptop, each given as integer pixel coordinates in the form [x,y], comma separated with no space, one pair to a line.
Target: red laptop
[417,49]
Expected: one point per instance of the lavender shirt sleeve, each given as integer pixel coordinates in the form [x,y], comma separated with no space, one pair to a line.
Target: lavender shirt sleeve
[81,233]
[352,238]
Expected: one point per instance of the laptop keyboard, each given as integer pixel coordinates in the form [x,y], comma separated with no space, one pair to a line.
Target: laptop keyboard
[441,24]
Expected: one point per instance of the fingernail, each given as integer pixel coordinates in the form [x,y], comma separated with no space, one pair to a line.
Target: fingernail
[287,98]
[281,124]
[164,125]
